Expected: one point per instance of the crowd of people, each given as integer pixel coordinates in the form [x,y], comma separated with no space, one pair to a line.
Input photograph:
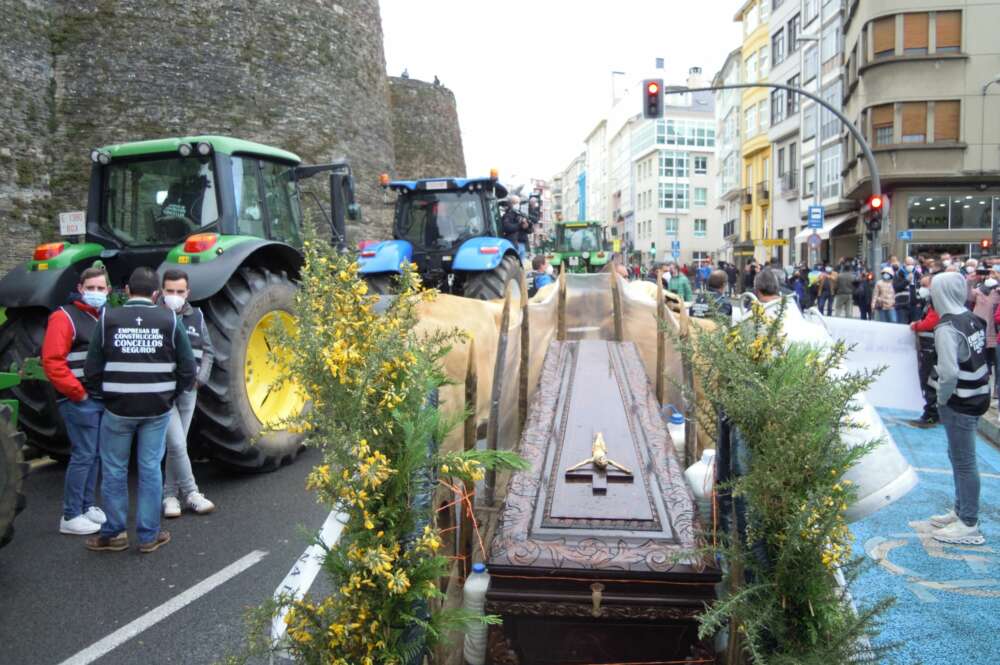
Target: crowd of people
[124,374]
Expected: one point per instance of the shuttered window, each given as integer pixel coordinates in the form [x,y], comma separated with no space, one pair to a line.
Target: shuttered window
[946,121]
[882,121]
[914,122]
[948,32]
[915,31]
[884,38]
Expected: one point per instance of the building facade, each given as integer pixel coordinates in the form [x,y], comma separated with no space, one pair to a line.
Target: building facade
[923,84]
[729,159]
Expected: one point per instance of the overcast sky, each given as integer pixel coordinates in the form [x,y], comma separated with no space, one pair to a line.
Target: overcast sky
[532,78]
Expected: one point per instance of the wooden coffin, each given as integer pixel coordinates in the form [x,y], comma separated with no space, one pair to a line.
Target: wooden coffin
[592,564]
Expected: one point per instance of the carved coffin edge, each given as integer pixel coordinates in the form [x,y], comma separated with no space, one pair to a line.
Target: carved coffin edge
[511,544]
[499,650]
[541,608]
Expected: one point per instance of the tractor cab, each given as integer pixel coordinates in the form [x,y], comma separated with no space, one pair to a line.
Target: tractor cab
[580,246]
[449,228]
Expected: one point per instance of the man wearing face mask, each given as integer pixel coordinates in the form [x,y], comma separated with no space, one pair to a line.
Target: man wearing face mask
[543,273]
[905,285]
[946,263]
[985,298]
[926,354]
[884,298]
[64,351]
[179,483]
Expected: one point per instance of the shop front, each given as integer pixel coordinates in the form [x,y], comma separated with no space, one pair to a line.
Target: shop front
[836,239]
[932,222]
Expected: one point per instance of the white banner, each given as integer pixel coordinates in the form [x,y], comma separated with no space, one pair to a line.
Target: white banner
[891,345]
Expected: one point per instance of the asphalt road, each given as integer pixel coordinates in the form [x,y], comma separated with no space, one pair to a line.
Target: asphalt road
[57,598]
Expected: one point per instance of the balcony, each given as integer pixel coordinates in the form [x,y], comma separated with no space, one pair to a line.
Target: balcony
[789,185]
[763,193]
[747,198]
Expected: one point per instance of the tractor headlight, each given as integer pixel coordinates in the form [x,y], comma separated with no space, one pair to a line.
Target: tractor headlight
[95,155]
[204,149]
[585,255]
[184,149]
[104,158]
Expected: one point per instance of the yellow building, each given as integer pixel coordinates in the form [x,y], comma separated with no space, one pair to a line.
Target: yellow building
[756,147]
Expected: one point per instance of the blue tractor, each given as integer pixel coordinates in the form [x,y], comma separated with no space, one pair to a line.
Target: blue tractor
[450,228]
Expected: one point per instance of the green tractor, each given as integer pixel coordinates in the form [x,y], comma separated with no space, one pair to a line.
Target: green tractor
[12,465]
[580,247]
[228,212]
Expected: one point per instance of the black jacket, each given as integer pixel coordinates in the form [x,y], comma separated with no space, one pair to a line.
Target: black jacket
[512,230]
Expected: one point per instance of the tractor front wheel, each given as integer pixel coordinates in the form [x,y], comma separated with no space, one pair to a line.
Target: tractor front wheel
[12,470]
[492,284]
[21,338]
[240,411]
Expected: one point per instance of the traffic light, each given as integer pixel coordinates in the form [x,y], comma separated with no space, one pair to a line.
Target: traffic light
[874,221]
[985,244]
[652,91]
[652,249]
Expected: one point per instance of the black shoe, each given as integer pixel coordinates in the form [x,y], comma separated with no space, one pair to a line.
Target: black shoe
[924,422]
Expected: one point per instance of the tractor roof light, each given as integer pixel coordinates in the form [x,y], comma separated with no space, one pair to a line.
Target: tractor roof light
[383,179]
[184,149]
[204,149]
[494,174]
[48,250]
[200,242]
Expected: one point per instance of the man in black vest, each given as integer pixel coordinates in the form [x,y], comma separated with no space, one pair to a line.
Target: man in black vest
[962,380]
[64,351]
[139,360]
[713,300]
[179,483]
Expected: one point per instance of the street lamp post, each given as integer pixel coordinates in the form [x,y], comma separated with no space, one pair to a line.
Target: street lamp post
[982,152]
[817,163]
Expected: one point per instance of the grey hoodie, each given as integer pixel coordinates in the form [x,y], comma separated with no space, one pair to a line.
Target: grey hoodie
[948,293]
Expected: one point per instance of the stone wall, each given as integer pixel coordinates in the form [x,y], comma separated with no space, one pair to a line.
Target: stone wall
[308,76]
[425,129]
[25,115]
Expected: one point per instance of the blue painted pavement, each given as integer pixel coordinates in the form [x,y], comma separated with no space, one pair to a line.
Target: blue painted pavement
[947,596]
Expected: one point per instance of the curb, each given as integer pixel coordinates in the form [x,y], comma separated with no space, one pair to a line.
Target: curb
[989,427]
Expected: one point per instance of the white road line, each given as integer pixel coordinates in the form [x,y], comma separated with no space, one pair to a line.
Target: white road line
[157,614]
[306,568]
[982,474]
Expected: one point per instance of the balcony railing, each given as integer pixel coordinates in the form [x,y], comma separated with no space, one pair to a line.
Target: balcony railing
[748,196]
[729,229]
[789,185]
[763,192]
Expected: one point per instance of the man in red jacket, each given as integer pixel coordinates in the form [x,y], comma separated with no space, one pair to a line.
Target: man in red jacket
[64,352]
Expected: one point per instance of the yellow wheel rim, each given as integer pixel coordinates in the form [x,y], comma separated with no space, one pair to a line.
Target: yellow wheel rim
[271,400]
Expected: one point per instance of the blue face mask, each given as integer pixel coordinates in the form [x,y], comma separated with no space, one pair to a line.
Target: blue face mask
[95,299]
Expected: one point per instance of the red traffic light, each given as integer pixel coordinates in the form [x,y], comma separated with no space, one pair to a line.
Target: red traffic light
[984,243]
[875,202]
[652,88]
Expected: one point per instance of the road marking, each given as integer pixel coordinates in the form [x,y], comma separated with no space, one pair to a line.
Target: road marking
[306,568]
[982,474]
[157,614]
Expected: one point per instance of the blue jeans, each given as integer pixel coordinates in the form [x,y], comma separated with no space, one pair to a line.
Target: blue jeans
[116,448]
[83,426]
[885,315]
[826,305]
[961,432]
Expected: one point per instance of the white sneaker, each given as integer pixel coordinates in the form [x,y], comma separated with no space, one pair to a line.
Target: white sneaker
[940,521]
[78,526]
[197,502]
[95,515]
[959,534]
[171,507]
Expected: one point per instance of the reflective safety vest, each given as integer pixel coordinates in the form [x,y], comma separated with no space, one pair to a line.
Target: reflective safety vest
[972,393]
[140,360]
[83,330]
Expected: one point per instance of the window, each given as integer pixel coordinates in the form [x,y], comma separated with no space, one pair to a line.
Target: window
[673,164]
[282,208]
[700,228]
[882,124]
[948,32]
[946,121]
[809,122]
[830,44]
[778,47]
[971,212]
[884,39]
[914,122]
[698,133]
[749,180]
[781,162]
[671,224]
[927,211]
[964,211]
[809,181]
[700,164]
[750,67]
[793,99]
[810,10]
[915,30]
[701,197]
[794,28]
[793,161]
[777,106]
[831,172]
[750,115]
[762,114]
[762,62]
[750,22]
[764,10]
[831,124]
[673,195]
[810,64]
[777,3]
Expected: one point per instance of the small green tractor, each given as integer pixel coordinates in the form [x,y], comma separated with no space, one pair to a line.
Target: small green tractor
[580,247]
[228,212]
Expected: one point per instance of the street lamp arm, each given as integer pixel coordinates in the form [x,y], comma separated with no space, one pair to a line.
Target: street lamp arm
[858,136]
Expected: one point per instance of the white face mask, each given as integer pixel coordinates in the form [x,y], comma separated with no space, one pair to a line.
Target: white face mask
[969,270]
[886,276]
[923,292]
[990,283]
[549,270]
[946,263]
[176,303]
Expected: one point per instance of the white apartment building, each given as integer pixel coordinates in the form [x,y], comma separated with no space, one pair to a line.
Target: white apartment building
[596,151]
[728,159]
[572,183]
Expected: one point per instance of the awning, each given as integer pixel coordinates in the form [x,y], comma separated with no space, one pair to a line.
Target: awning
[828,225]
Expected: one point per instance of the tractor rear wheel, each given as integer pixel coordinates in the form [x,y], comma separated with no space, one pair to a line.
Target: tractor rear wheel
[492,284]
[244,393]
[21,338]
[380,284]
[12,470]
